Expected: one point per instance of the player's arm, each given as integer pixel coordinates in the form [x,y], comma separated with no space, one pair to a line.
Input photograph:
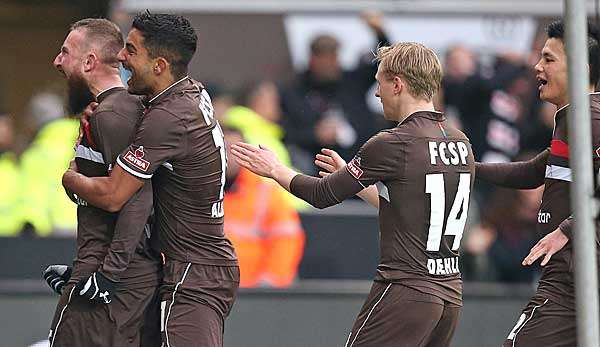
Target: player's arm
[330,161]
[380,161]
[319,192]
[157,139]
[111,133]
[518,175]
[131,225]
[108,193]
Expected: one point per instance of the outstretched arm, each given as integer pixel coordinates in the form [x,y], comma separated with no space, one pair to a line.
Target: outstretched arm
[320,193]
[519,175]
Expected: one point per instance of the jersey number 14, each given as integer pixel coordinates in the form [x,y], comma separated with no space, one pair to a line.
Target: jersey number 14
[455,225]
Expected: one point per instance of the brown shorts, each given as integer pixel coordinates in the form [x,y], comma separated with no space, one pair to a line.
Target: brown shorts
[396,315]
[196,299]
[80,322]
[544,323]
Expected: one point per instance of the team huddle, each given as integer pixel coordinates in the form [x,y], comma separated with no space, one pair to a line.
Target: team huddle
[153,266]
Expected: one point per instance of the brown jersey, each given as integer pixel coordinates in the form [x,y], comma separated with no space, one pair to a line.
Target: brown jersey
[121,236]
[180,146]
[424,172]
[557,279]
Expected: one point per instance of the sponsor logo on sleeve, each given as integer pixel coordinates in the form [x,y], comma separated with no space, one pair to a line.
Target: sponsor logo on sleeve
[354,168]
[136,159]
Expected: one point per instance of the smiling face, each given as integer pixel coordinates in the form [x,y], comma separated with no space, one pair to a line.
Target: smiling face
[136,59]
[552,74]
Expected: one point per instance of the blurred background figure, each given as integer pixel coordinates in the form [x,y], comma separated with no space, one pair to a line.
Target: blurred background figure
[11,217]
[506,233]
[459,64]
[221,98]
[262,224]
[257,114]
[326,106]
[46,208]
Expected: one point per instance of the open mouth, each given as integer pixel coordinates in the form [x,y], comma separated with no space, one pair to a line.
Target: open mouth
[541,83]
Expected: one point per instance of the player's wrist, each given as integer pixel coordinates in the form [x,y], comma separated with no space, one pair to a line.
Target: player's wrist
[283,175]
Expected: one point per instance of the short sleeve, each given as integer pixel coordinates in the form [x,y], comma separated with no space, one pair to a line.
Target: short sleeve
[378,159]
[157,140]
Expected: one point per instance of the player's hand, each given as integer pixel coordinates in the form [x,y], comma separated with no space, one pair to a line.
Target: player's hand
[330,161]
[57,277]
[260,160]
[96,288]
[84,120]
[88,111]
[548,245]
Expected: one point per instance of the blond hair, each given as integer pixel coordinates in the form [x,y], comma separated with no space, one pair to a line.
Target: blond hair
[416,64]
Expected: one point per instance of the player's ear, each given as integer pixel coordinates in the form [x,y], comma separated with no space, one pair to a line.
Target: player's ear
[90,62]
[398,85]
[161,65]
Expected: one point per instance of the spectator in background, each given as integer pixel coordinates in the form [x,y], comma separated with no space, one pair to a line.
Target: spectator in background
[262,224]
[326,106]
[47,208]
[506,234]
[539,132]
[459,65]
[222,100]
[11,221]
[257,115]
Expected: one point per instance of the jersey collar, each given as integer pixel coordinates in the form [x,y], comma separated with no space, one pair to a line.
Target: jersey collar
[561,112]
[433,115]
[106,92]
[166,90]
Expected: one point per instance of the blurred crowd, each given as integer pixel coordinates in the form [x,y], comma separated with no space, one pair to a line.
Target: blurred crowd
[494,100]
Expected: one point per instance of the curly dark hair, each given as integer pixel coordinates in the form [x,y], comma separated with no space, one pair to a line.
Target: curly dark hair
[169,36]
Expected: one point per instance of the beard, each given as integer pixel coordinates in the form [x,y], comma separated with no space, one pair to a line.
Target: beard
[137,86]
[79,94]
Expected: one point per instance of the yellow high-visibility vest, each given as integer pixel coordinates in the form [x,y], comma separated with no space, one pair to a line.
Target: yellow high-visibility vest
[45,203]
[11,216]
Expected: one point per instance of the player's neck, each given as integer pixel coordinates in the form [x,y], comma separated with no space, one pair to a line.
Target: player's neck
[103,83]
[408,108]
[162,83]
[562,103]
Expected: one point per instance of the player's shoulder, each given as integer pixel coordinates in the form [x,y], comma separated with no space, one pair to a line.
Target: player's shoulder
[383,141]
[455,133]
[119,107]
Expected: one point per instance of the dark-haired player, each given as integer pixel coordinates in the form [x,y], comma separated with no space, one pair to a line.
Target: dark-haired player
[549,318]
[179,145]
[115,274]
[423,170]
